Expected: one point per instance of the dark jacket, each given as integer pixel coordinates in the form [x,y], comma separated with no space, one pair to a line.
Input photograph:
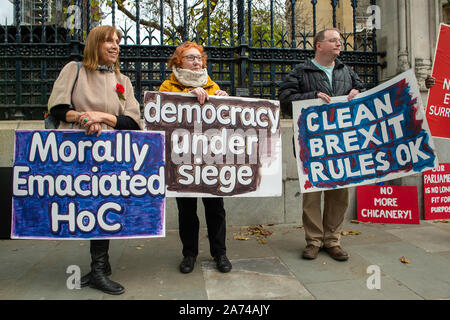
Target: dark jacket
[306,80]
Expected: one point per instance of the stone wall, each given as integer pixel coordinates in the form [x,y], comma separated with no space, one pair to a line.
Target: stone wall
[278,210]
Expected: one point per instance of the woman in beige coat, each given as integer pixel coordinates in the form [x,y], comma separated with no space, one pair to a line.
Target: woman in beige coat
[103,99]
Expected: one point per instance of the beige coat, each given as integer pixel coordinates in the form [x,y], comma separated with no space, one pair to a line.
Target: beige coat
[94,91]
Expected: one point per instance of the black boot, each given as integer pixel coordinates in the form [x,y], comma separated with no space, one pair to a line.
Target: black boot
[84,281]
[98,278]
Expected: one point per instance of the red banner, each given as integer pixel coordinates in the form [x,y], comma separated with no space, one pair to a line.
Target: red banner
[387,204]
[436,189]
[438,106]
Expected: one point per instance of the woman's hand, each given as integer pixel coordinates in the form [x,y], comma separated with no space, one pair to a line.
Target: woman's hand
[87,118]
[221,93]
[93,128]
[201,94]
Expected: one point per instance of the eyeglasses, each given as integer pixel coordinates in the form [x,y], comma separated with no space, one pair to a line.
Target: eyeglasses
[334,41]
[193,58]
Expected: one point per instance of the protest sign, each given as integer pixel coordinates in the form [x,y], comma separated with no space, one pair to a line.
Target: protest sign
[387,204]
[380,135]
[227,146]
[69,185]
[436,192]
[438,105]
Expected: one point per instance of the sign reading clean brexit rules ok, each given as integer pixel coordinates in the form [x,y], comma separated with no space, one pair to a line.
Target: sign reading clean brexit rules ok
[227,146]
[380,135]
[69,185]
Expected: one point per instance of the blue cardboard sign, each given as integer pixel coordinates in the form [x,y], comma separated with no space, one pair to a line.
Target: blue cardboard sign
[69,185]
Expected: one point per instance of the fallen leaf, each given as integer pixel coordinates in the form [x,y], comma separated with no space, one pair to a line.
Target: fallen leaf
[240,237]
[441,221]
[358,222]
[405,260]
[259,229]
[299,227]
[350,232]
[261,240]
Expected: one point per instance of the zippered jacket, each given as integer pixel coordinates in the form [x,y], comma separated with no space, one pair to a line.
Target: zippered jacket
[306,80]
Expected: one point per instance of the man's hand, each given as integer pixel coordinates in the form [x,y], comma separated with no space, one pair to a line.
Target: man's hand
[352,94]
[324,97]
[429,82]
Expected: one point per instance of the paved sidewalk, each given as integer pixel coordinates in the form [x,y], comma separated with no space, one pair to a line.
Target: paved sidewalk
[263,267]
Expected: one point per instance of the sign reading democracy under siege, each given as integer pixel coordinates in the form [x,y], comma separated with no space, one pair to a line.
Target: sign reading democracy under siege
[380,135]
[228,146]
[69,185]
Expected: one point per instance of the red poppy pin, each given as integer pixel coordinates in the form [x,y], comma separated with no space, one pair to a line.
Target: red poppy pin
[120,91]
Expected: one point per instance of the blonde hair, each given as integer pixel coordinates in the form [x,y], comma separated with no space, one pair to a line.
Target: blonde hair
[95,37]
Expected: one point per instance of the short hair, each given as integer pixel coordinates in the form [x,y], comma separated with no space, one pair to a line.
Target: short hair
[175,59]
[320,36]
[95,37]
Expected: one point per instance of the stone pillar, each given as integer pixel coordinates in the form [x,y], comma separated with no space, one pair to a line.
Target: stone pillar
[402,63]
[420,39]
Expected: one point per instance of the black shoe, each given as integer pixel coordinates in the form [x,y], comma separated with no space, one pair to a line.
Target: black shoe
[84,281]
[99,260]
[101,282]
[223,264]
[187,265]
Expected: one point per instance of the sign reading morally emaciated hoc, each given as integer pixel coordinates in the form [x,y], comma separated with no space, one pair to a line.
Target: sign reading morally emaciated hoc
[69,185]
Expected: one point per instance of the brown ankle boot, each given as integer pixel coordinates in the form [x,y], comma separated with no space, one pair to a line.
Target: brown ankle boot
[337,253]
[310,252]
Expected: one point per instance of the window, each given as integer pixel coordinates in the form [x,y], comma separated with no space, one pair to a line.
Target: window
[446,13]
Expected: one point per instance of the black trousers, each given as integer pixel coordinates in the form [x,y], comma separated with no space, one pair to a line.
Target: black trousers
[189,225]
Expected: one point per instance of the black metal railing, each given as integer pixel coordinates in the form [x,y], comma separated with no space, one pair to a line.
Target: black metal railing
[251,45]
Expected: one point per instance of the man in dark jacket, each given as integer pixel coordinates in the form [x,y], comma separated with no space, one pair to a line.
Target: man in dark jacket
[322,77]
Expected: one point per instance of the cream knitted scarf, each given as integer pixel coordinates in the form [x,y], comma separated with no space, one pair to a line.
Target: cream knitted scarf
[191,78]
